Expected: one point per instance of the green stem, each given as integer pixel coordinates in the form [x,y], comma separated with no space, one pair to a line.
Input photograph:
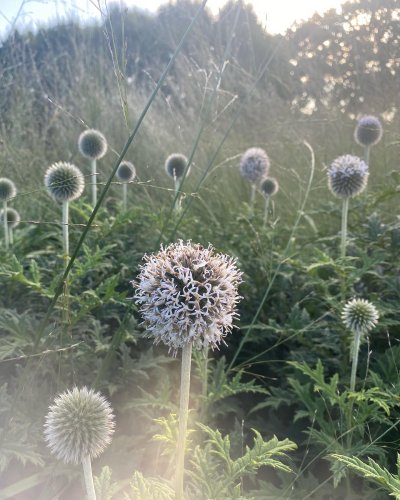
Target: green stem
[183,418]
[267,200]
[252,198]
[87,471]
[367,150]
[11,236]
[6,237]
[345,210]
[177,197]
[124,195]
[203,411]
[65,211]
[356,349]
[94,183]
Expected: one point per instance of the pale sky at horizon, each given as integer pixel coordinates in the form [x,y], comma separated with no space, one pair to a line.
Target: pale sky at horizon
[277,16]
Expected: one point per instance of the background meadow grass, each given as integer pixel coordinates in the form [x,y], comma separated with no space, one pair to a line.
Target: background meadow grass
[233,86]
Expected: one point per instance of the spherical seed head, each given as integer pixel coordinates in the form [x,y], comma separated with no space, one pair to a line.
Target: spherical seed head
[368,131]
[188,293]
[269,186]
[92,144]
[126,172]
[254,165]
[79,423]
[64,181]
[7,189]
[347,176]
[13,217]
[175,165]
[360,316]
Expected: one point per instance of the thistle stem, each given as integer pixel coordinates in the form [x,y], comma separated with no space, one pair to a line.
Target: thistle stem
[252,197]
[65,211]
[345,210]
[266,209]
[178,205]
[87,471]
[11,235]
[6,236]
[356,349]
[94,183]
[183,418]
[124,195]
[367,150]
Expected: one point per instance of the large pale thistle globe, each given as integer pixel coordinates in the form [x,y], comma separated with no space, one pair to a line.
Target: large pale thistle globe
[13,217]
[254,165]
[126,172]
[368,131]
[175,165]
[360,316]
[92,144]
[64,181]
[347,176]
[188,294]
[80,423]
[7,189]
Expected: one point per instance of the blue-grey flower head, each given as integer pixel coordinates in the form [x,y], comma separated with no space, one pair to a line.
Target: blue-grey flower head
[347,176]
[254,165]
[360,316]
[126,172]
[175,165]
[64,181]
[188,293]
[92,144]
[80,423]
[13,217]
[269,186]
[368,131]
[7,189]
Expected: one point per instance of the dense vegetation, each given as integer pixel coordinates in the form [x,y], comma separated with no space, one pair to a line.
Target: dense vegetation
[270,410]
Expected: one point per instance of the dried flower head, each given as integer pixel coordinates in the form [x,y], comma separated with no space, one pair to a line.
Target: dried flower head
[13,217]
[254,165]
[79,423]
[188,293]
[175,165]
[7,189]
[126,172]
[64,181]
[368,131]
[360,316]
[92,144]
[347,176]
[269,186]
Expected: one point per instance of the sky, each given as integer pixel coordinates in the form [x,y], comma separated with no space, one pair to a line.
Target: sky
[276,15]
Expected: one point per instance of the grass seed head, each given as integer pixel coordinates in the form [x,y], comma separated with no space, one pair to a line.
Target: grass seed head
[92,144]
[360,316]
[254,165]
[7,189]
[347,176]
[126,172]
[64,181]
[188,293]
[368,131]
[79,423]
[175,165]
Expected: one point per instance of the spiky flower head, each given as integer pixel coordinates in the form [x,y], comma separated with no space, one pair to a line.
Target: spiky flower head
[80,423]
[360,316]
[13,217]
[126,172]
[347,176]
[254,165]
[7,189]
[188,293]
[92,144]
[64,181]
[175,165]
[368,131]
[269,186]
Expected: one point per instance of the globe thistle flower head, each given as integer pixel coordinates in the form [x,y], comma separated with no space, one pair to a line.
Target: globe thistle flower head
[269,186]
[80,423]
[175,165]
[188,293]
[13,217]
[368,131]
[92,144]
[347,176]
[360,316]
[126,172]
[64,181]
[254,165]
[7,189]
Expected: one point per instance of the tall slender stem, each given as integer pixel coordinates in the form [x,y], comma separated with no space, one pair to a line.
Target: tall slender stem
[183,418]
[11,235]
[6,236]
[345,210]
[252,197]
[356,349]
[124,195]
[367,150]
[87,471]
[178,205]
[65,211]
[266,209]
[94,183]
